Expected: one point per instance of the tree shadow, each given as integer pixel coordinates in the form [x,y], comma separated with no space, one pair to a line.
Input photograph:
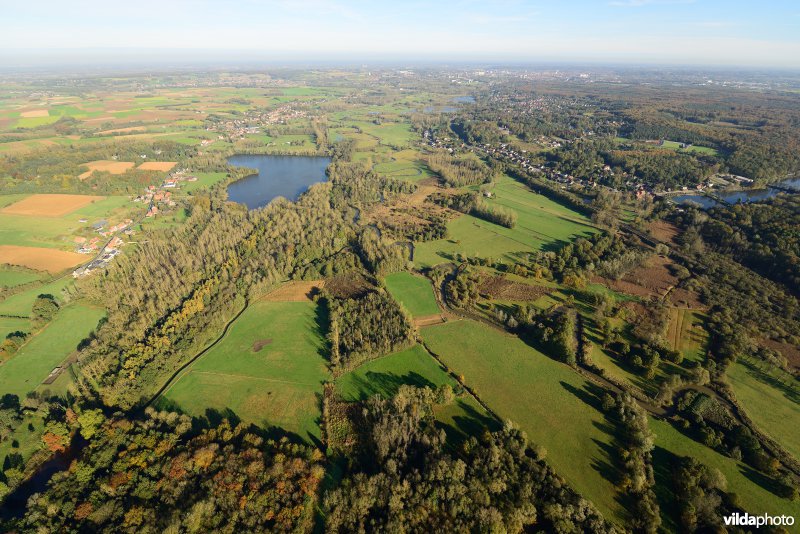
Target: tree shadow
[760,479]
[387,384]
[664,462]
[471,423]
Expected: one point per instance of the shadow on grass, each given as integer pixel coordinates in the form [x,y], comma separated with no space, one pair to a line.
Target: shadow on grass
[386,384]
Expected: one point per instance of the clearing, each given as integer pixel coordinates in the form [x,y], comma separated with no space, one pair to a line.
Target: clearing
[49,205]
[413,292]
[295,291]
[280,384]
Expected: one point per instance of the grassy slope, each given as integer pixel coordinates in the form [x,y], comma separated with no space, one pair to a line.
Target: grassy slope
[773,406]
[413,292]
[48,348]
[545,398]
[20,304]
[742,480]
[279,385]
[541,224]
[11,278]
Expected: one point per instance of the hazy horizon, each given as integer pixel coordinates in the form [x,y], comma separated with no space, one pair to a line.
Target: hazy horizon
[701,33]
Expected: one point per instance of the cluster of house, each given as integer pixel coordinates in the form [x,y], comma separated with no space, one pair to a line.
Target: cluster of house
[91,246]
[252,122]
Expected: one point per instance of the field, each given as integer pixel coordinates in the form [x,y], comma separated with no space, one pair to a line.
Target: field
[49,205]
[742,480]
[163,166]
[552,404]
[59,232]
[40,259]
[20,304]
[771,399]
[268,370]
[686,334]
[541,224]
[12,278]
[110,166]
[47,349]
[413,292]
[12,324]
[385,375]
[295,291]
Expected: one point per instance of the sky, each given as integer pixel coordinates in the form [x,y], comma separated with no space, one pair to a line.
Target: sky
[762,33]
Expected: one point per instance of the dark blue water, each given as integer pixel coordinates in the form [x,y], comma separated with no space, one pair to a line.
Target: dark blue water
[736,197]
[278,176]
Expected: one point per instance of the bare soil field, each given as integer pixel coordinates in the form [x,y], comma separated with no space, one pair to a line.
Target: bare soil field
[429,320]
[35,113]
[663,231]
[500,288]
[40,259]
[157,166]
[45,205]
[113,167]
[348,285]
[295,291]
[651,279]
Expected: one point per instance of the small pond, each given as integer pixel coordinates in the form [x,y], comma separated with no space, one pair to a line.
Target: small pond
[278,176]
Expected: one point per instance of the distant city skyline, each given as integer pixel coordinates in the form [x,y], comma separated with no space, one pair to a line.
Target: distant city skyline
[681,32]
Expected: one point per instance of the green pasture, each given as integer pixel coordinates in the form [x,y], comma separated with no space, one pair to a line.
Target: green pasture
[752,488]
[551,403]
[20,304]
[13,278]
[279,385]
[542,224]
[13,324]
[771,397]
[413,292]
[48,348]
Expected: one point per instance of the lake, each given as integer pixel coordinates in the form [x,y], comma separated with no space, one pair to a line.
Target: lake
[278,176]
[736,197]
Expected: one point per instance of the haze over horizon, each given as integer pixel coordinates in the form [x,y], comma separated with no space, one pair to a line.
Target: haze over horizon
[681,32]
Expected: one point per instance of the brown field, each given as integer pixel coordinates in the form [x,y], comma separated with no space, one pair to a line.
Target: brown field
[500,288]
[113,167]
[789,351]
[49,205]
[663,231]
[349,285]
[429,320]
[157,166]
[35,113]
[40,259]
[295,291]
[653,279]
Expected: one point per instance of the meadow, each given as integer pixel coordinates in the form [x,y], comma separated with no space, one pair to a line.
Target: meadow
[413,292]
[771,399]
[268,370]
[542,224]
[460,419]
[48,348]
[552,404]
[748,484]
[19,304]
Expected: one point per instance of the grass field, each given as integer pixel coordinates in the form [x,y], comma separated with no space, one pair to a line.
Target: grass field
[48,348]
[20,304]
[551,403]
[13,324]
[413,292]
[12,278]
[769,401]
[280,384]
[384,376]
[748,484]
[687,335]
[541,224]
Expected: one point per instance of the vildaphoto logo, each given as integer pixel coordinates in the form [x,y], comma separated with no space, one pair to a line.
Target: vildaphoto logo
[747,520]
